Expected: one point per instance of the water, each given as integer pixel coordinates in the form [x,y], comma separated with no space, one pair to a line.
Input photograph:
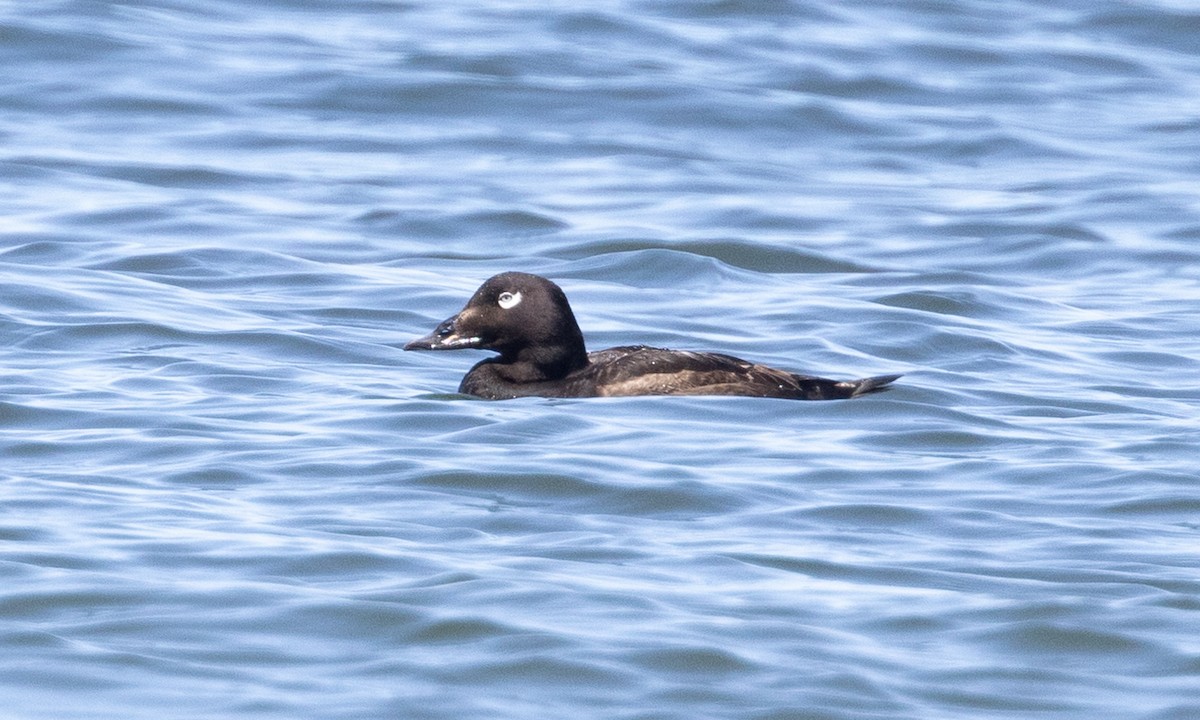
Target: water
[227,493]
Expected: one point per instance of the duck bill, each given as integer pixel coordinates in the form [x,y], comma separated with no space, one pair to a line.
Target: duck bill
[445,337]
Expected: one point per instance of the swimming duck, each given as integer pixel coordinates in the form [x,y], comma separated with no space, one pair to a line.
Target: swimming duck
[528,321]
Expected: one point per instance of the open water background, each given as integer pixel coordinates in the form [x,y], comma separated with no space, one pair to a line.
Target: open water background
[225,492]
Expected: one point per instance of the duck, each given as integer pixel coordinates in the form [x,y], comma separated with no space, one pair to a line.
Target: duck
[527,320]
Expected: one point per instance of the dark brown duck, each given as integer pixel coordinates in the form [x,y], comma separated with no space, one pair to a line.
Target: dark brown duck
[528,321]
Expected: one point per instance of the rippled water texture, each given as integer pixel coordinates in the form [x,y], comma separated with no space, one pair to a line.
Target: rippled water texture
[226,492]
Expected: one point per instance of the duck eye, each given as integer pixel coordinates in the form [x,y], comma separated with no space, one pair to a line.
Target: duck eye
[508,299]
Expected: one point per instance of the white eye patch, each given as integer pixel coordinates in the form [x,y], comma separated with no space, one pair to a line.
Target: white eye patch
[509,300]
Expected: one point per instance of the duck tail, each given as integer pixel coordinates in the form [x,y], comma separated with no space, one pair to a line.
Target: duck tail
[879,383]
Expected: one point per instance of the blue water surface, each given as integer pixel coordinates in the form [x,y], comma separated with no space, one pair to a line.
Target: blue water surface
[226,491]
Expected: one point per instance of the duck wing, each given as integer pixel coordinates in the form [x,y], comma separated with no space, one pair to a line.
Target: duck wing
[641,370]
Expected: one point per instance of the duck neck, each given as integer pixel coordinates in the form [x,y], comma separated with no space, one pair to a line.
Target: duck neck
[546,361]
